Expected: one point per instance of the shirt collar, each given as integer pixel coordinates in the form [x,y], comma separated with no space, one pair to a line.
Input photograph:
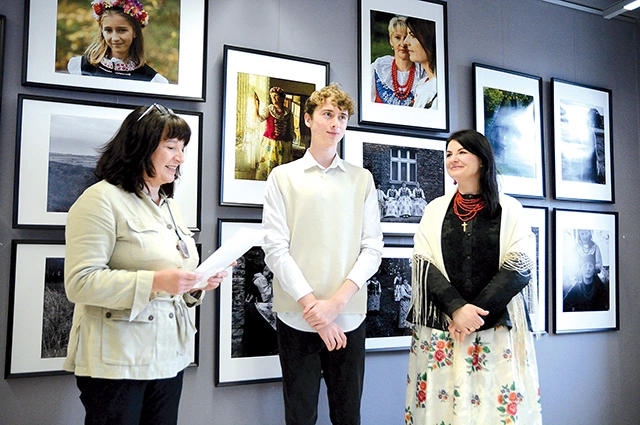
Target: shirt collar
[308,161]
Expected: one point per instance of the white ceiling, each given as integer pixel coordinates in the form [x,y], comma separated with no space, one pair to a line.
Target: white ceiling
[596,6]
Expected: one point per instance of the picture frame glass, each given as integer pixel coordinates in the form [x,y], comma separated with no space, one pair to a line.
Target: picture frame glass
[509,113]
[59,30]
[409,172]
[392,90]
[586,285]
[583,153]
[250,145]
[66,142]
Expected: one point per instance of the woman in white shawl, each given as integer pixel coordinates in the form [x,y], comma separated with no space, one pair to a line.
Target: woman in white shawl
[472,359]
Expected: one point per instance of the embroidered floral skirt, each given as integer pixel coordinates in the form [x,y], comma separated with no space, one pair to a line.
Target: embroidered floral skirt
[478,383]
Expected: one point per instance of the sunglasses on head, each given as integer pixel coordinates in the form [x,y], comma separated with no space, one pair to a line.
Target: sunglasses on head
[160,108]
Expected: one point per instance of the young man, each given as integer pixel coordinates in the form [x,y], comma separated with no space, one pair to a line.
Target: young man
[324,243]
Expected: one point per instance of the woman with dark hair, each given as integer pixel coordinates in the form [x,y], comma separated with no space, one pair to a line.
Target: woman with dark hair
[474,256]
[421,44]
[117,50]
[129,270]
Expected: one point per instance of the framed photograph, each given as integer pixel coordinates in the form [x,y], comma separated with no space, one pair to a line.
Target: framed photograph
[508,110]
[263,118]
[388,301]
[538,217]
[409,172]
[403,79]
[58,34]
[38,334]
[57,149]
[583,146]
[247,342]
[586,271]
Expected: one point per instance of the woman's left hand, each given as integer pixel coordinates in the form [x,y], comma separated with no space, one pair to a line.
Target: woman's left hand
[214,281]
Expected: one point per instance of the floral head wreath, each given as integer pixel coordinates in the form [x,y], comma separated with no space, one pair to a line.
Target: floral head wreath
[132,8]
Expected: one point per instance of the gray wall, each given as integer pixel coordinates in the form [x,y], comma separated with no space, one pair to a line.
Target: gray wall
[586,378]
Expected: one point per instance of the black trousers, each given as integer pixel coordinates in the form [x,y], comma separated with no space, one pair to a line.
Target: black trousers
[305,359]
[130,402]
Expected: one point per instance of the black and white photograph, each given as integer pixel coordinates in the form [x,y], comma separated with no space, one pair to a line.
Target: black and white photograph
[39,329]
[538,218]
[389,300]
[583,152]
[66,144]
[508,112]
[409,172]
[586,271]
[161,53]
[403,64]
[263,118]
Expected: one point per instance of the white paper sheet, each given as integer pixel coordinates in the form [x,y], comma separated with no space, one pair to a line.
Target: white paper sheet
[243,240]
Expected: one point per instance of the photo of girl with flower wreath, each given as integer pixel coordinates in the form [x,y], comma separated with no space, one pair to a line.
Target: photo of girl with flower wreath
[124,39]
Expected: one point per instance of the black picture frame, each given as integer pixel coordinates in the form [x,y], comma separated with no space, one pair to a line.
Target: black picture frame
[63,136]
[38,331]
[586,250]
[244,78]
[3,24]
[508,111]
[374,18]
[396,158]
[180,29]
[538,217]
[583,142]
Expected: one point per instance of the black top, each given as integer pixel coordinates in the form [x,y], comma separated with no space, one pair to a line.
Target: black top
[472,262]
[144,73]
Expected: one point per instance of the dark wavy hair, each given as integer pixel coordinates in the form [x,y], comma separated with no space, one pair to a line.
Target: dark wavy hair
[425,32]
[479,145]
[126,158]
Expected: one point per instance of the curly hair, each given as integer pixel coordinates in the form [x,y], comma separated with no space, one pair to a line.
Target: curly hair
[338,97]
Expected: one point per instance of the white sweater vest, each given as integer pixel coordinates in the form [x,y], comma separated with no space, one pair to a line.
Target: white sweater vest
[325,218]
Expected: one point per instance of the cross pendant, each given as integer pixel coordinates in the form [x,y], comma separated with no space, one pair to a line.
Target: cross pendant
[464,226]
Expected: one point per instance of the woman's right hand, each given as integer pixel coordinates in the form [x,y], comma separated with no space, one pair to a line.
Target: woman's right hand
[175,281]
[466,320]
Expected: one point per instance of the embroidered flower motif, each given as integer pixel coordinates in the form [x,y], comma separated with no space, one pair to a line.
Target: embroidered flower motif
[475,400]
[440,350]
[507,354]
[443,396]
[477,353]
[408,416]
[421,390]
[508,401]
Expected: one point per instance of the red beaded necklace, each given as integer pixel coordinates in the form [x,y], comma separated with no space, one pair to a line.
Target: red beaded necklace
[466,208]
[402,91]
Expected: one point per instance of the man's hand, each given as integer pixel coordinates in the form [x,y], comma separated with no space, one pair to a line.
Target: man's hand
[333,337]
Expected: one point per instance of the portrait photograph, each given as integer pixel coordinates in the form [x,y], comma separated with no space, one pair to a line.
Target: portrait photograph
[270,127]
[65,144]
[586,271]
[408,172]
[508,112]
[403,63]
[157,49]
[583,153]
[263,118]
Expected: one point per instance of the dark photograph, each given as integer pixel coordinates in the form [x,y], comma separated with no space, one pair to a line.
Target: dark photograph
[406,179]
[389,299]
[57,311]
